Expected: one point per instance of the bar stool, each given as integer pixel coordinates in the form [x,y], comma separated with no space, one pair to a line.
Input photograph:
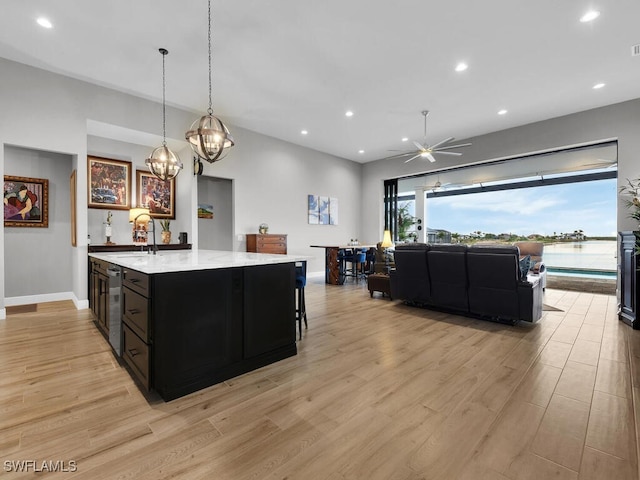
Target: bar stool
[301,282]
[357,260]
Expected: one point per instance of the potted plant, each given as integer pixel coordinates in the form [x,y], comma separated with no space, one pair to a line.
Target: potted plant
[631,199]
[166,233]
[631,192]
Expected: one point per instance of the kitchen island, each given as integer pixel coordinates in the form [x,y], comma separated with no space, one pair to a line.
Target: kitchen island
[191,319]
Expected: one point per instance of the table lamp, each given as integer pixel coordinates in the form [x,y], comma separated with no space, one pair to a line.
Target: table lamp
[386,240]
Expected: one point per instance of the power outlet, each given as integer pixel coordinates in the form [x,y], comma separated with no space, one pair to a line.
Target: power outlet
[240,237]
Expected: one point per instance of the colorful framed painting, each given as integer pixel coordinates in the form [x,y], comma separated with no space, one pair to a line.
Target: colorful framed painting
[157,195]
[109,183]
[26,202]
[205,211]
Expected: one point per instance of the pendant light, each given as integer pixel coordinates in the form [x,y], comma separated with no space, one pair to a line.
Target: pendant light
[209,137]
[162,162]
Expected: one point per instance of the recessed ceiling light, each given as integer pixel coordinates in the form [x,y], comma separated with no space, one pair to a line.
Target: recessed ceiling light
[598,86]
[349,113]
[361,151]
[502,112]
[461,67]
[43,22]
[405,139]
[590,16]
[304,132]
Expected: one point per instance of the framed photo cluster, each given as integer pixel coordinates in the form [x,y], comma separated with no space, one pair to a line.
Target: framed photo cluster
[109,185]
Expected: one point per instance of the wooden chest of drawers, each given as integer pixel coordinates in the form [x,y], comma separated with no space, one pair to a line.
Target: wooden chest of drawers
[267,243]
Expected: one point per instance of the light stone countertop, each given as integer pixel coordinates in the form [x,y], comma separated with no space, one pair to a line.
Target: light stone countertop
[187,260]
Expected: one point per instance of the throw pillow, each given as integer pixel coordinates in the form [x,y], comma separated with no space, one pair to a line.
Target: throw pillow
[525,265]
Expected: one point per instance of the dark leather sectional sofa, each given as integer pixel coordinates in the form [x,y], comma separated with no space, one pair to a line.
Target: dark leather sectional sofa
[483,281]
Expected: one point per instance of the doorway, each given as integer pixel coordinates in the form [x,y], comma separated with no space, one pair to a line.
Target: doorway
[215,230]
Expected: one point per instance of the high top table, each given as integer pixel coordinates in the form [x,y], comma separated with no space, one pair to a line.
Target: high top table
[333,269]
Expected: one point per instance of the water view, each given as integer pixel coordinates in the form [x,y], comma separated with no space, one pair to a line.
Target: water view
[596,255]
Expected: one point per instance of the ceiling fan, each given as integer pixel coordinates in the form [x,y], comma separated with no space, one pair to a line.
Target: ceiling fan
[432,186]
[427,151]
[438,185]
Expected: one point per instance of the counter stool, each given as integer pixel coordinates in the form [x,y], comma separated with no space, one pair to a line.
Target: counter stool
[301,282]
[357,259]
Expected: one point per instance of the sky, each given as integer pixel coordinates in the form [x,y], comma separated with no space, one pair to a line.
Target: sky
[586,206]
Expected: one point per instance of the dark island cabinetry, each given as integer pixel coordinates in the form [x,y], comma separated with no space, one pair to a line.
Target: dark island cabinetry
[187,330]
[629,278]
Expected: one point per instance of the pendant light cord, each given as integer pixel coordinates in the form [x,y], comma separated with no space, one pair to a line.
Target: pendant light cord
[164,52]
[210,110]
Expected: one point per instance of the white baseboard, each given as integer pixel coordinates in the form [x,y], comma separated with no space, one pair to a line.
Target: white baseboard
[45,297]
[80,304]
[3,313]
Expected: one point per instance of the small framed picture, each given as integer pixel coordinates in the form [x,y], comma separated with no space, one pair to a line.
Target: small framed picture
[157,195]
[109,183]
[26,202]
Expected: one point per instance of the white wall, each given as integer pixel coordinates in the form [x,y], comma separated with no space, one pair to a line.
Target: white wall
[216,233]
[620,121]
[271,178]
[37,261]
[136,154]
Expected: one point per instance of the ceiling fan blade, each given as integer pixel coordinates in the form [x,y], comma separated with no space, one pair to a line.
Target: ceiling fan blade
[418,146]
[441,142]
[440,152]
[399,155]
[415,156]
[452,146]
[430,157]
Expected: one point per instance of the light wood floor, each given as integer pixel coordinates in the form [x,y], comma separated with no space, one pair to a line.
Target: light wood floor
[378,390]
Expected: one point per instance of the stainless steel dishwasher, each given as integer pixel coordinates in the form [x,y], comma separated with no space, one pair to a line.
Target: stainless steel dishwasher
[115,313]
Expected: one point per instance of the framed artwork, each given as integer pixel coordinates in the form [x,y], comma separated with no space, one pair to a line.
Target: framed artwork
[72,192]
[205,211]
[323,209]
[333,211]
[26,202]
[312,209]
[109,183]
[158,195]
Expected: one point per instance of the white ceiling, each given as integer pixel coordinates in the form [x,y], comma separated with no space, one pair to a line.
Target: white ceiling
[281,66]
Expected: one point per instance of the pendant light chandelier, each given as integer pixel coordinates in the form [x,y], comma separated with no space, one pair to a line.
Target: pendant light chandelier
[162,162]
[209,137]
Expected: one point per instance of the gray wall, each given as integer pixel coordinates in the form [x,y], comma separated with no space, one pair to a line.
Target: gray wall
[216,233]
[136,154]
[620,121]
[271,178]
[37,261]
